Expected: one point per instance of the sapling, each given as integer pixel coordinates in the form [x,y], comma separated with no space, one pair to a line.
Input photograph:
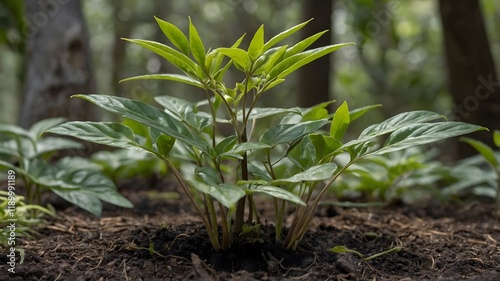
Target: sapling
[291,160]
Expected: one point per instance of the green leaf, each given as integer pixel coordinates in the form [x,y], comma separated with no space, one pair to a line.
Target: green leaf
[482,148]
[268,60]
[304,154]
[401,120]
[302,45]
[175,57]
[85,201]
[257,44]
[175,35]
[239,56]
[496,138]
[185,111]
[15,131]
[282,35]
[276,192]
[341,121]
[390,125]
[150,116]
[172,77]
[324,145]
[208,175]
[287,133]
[107,133]
[43,125]
[246,146]
[358,112]
[294,62]
[422,133]
[51,144]
[225,145]
[343,249]
[315,173]
[262,112]
[226,194]
[164,144]
[195,44]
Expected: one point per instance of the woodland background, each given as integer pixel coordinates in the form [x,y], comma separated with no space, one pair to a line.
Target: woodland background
[440,55]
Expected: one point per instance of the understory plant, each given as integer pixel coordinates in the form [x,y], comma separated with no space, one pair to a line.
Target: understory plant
[290,160]
[492,159]
[75,179]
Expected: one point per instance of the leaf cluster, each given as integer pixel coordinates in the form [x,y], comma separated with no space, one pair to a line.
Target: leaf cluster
[74,179]
[291,160]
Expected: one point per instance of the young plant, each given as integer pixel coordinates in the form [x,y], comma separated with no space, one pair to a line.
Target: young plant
[14,208]
[491,158]
[289,160]
[75,179]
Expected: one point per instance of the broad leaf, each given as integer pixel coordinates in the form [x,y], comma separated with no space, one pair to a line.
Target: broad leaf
[107,133]
[246,146]
[238,56]
[287,133]
[41,126]
[175,35]
[150,116]
[276,192]
[316,173]
[226,194]
[304,154]
[195,44]
[257,44]
[390,125]
[341,121]
[419,134]
[172,77]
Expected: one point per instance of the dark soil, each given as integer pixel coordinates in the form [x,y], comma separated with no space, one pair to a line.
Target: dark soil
[160,239]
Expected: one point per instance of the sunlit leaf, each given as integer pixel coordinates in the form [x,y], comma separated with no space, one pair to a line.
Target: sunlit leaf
[172,77]
[195,44]
[257,44]
[341,121]
[282,35]
[175,35]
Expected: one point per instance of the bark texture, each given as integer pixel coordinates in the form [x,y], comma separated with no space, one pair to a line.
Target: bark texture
[473,81]
[58,62]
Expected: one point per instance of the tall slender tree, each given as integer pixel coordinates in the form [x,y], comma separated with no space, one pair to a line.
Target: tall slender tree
[58,62]
[314,79]
[473,81]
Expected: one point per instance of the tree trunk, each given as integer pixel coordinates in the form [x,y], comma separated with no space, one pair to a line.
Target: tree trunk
[472,82]
[58,62]
[314,83]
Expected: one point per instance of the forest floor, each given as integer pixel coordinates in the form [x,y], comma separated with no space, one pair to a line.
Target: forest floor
[161,239]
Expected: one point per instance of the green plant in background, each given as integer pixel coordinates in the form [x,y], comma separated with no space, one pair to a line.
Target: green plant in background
[409,175]
[22,214]
[290,160]
[492,159]
[75,179]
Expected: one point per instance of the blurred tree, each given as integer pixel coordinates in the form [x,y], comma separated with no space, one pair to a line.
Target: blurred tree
[472,81]
[58,62]
[314,78]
